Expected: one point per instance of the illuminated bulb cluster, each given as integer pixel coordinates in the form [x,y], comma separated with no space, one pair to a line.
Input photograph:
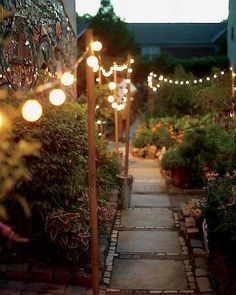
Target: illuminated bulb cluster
[118,68]
[154,86]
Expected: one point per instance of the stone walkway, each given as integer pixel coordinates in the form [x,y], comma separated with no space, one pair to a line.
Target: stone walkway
[147,253]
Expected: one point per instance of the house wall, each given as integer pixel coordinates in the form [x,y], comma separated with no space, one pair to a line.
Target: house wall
[232,32]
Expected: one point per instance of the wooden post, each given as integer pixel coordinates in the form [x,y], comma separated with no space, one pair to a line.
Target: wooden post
[127,121]
[116,112]
[92,168]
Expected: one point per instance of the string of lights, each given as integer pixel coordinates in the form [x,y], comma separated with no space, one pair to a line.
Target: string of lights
[154,81]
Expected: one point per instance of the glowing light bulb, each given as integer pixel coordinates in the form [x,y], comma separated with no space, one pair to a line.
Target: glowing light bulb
[176,82]
[200,80]
[181,82]
[187,82]
[99,122]
[57,97]
[112,85]
[222,72]
[119,107]
[170,81]
[208,78]
[67,79]
[128,81]
[215,76]
[111,98]
[165,80]
[125,91]
[158,85]
[96,68]
[161,78]
[31,110]
[114,105]
[92,61]
[154,89]
[130,70]
[195,81]
[97,46]
[131,61]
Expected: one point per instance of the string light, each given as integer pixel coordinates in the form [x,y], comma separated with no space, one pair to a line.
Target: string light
[114,105]
[92,61]
[111,98]
[151,76]
[97,46]
[112,85]
[57,97]
[67,79]
[131,61]
[31,110]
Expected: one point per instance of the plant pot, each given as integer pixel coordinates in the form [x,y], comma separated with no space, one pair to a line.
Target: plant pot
[180,176]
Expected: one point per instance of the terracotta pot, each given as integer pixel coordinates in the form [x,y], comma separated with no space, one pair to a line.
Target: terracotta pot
[180,176]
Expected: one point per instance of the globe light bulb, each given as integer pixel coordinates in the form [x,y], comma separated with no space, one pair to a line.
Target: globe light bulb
[99,122]
[114,105]
[130,70]
[96,68]
[57,97]
[119,107]
[112,85]
[111,98]
[92,61]
[67,79]
[131,60]
[97,46]
[31,110]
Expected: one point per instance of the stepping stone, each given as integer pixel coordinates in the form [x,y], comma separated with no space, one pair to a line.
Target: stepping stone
[196,243]
[147,217]
[204,284]
[146,274]
[145,201]
[200,272]
[148,241]
[200,262]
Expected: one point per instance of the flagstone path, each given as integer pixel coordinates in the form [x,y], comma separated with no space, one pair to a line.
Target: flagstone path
[147,253]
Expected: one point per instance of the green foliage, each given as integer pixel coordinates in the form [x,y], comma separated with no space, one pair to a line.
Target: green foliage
[112,31]
[61,168]
[197,151]
[173,159]
[70,229]
[219,209]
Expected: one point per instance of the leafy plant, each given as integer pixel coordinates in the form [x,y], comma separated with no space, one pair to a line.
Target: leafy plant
[69,228]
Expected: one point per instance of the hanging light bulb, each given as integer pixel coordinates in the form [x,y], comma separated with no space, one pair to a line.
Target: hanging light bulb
[92,61]
[114,105]
[208,78]
[161,78]
[215,76]
[222,73]
[131,61]
[200,80]
[119,107]
[31,110]
[67,79]
[96,68]
[97,46]
[99,122]
[187,82]
[111,98]
[57,97]
[195,81]
[112,85]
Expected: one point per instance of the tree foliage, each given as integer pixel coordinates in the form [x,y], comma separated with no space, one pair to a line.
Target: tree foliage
[111,30]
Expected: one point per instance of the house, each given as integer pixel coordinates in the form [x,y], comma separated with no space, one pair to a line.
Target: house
[232,32]
[181,40]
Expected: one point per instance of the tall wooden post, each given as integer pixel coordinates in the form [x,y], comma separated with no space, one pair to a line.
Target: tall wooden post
[116,112]
[128,120]
[92,168]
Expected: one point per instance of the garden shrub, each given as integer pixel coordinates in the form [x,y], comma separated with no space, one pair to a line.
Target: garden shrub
[219,209]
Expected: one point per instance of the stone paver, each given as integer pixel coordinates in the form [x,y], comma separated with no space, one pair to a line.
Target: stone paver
[149,274]
[148,241]
[152,218]
[147,201]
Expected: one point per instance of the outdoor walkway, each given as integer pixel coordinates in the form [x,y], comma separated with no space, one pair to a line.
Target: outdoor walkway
[150,255]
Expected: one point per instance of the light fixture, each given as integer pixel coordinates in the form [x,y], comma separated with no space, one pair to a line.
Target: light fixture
[114,105]
[57,97]
[97,46]
[67,79]
[112,85]
[111,98]
[31,110]
[92,61]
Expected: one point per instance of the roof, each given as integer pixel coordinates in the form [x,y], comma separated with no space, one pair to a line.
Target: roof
[177,33]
